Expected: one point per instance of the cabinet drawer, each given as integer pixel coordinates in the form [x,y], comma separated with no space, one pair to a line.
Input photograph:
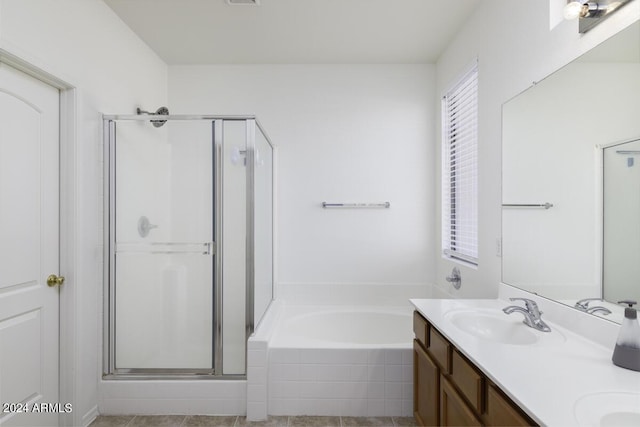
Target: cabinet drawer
[440,349]
[468,379]
[420,328]
[502,412]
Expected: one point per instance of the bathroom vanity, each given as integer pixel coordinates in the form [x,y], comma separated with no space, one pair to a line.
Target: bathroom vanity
[476,365]
[449,390]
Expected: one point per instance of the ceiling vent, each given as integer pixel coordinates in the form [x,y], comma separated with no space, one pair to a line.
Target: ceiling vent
[243,2]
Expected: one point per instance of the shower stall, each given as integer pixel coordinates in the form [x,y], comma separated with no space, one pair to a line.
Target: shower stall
[188,243]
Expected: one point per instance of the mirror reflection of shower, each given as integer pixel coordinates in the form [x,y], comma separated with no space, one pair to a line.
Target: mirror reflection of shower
[162,111]
[621,228]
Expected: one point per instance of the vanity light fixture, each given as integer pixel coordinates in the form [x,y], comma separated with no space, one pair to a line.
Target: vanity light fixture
[578,9]
[243,2]
[591,13]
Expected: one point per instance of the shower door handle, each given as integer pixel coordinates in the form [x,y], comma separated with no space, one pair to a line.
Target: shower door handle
[166,248]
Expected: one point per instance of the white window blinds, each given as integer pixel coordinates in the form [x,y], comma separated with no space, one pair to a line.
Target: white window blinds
[460,170]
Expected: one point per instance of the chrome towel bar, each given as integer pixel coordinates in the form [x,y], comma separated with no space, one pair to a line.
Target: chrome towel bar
[546,205]
[384,205]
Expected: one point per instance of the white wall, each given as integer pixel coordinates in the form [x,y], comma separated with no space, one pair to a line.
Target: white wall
[515,46]
[85,44]
[345,133]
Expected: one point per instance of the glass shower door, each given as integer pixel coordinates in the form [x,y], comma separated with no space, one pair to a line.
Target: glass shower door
[163,257]
[263,224]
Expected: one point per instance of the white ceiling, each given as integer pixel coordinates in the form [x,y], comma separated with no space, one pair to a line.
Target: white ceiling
[295,31]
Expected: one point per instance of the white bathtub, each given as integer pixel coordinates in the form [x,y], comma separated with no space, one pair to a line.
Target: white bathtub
[343,327]
[336,360]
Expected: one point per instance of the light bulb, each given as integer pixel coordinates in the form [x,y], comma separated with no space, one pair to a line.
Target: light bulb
[573,9]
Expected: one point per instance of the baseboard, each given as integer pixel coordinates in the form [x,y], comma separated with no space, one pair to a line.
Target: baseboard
[90,416]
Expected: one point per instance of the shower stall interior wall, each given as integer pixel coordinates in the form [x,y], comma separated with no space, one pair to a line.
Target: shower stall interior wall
[189,232]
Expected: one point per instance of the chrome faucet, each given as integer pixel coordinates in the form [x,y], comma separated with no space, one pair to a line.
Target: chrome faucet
[531,314]
[583,304]
[599,309]
[455,278]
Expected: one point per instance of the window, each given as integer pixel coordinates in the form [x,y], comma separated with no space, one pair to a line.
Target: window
[460,170]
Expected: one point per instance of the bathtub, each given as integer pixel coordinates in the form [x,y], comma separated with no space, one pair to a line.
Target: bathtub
[343,327]
[337,360]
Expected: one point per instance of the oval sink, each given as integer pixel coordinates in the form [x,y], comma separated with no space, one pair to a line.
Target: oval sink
[500,328]
[606,409]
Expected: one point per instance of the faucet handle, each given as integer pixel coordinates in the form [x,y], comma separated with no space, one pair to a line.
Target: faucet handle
[583,304]
[531,305]
[598,309]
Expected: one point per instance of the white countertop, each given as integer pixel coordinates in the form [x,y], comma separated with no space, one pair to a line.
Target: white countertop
[548,379]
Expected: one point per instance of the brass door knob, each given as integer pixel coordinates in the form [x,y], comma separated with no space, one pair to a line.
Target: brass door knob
[54,280]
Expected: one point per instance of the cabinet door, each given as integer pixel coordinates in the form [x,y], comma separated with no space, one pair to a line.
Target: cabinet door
[468,379]
[453,410]
[501,412]
[426,387]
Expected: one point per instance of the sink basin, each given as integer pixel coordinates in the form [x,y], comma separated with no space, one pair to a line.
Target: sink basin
[606,409]
[495,326]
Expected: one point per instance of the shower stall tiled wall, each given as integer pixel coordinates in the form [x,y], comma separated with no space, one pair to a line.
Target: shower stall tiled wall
[189,244]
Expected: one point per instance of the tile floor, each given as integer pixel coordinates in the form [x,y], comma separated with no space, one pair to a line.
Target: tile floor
[240,421]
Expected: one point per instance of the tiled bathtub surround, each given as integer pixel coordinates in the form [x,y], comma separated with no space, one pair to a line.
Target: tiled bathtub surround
[346,382]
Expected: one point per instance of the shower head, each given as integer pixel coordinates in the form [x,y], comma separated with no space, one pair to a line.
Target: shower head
[162,111]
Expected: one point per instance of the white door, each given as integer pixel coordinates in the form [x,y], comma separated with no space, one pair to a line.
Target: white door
[29,250]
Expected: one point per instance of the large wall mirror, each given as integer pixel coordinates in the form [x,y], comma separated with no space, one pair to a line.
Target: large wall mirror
[571,180]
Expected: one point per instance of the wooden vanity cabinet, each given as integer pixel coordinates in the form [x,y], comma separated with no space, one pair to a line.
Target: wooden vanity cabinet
[449,390]
[426,383]
[453,409]
[501,411]
[426,376]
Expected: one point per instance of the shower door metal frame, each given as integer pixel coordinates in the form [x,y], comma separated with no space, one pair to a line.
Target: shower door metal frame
[109,128]
[250,232]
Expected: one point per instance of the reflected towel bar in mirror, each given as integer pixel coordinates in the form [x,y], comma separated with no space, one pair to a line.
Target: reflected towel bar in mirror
[546,205]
